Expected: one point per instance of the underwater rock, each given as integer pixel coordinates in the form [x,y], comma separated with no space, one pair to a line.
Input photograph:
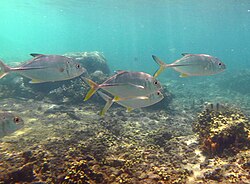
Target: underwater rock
[24,174]
[160,137]
[214,175]
[222,132]
[92,61]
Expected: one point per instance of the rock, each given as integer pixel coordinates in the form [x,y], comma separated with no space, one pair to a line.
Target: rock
[92,61]
[214,175]
[116,163]
[27,155]
[142,176]
[155,177]
[23,174]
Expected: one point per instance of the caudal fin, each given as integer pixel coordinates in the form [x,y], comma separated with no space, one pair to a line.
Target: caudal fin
[162,65]
[93,88]
[4,69]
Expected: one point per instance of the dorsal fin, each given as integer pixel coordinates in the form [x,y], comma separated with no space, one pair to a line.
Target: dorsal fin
[184,54]
[120,71]
[36,55]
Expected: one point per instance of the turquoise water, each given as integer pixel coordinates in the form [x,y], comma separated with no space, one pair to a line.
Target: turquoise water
[127,32]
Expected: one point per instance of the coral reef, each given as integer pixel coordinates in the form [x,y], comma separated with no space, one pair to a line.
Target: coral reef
[222,132]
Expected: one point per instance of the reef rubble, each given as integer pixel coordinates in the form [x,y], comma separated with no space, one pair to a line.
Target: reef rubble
[121,147]
[64,140]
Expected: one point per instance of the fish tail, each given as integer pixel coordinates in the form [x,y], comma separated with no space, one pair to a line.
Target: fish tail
[4,69]
[93,88]
[109,102]
[162,65]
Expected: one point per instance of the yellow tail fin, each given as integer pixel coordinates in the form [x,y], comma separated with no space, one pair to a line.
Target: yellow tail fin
[161,64]
[93,88]
[4,69]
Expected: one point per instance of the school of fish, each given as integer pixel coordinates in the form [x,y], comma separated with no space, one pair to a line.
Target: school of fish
[131,90]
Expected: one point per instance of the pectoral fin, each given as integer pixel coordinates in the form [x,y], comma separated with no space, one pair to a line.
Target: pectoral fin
[183,75]
[35,81]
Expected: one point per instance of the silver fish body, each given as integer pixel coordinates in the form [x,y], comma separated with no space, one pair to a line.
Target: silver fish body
[193,65]
[47,68]
[9,123]
[199,65]
[135,84]
[132,103]
[126,84]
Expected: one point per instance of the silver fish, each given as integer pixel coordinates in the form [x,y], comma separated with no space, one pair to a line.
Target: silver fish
[126,84]
[46,68]
[132,103]
[9,123]
[193,65]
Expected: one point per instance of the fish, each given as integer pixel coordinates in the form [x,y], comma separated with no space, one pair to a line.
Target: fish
[46,68]
[217,107]
[192,65]
[126,84]
[131,103]
[9,123]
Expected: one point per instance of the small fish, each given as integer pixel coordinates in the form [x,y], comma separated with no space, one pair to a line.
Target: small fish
[9,123]
[215,107]
[131,103]
[46,68]
[126,84]
[192,65]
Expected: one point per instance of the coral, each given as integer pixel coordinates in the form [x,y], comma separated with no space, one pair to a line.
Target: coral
[82,172]
[222,131]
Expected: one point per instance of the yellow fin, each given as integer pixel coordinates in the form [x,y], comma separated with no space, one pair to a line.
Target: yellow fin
[35,81]
[161,64]
[159,71]
[93,88]
[184,75]
[129,109]
[117,98]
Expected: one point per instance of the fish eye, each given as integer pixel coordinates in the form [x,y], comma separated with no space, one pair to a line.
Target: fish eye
[220,64]
[77,66]
[158,93]
[155,82]
[16,119]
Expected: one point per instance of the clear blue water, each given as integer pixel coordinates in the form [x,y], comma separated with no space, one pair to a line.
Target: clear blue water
[127,32]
